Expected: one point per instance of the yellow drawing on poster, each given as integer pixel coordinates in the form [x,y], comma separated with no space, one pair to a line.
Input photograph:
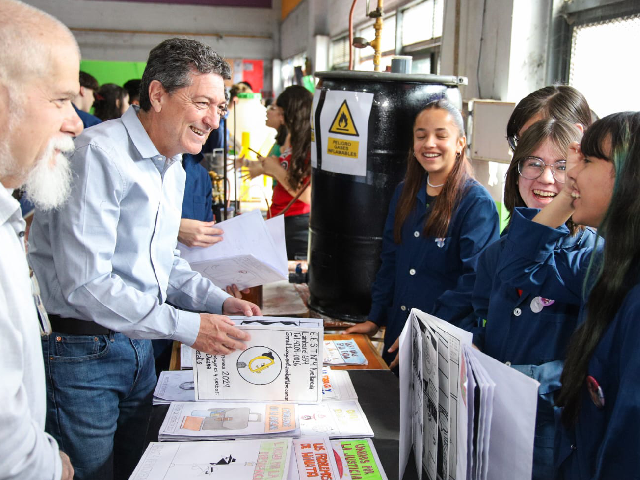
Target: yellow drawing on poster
[343,123]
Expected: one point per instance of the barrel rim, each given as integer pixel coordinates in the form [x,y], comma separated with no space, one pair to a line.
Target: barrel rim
[449,80]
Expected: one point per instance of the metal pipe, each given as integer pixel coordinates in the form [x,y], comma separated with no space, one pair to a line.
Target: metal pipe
[353,7]
[377,42]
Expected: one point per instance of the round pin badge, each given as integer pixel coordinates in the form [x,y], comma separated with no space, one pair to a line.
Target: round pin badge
[536,305]
[595,392]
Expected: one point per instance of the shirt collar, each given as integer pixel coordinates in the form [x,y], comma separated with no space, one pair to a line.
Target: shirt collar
[140,137]
[8,205]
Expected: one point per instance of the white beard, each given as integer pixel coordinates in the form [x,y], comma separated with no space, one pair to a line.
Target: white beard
[48,187]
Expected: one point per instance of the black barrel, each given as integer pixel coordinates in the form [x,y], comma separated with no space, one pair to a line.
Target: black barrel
[347,211]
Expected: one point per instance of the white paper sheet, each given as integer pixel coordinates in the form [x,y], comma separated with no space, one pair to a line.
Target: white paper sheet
[335,419]
[315,458]
[186,353]
[227,420]
[247,256]
[281,364]
[513,423]
[405,355]
[418,415]
[431,392]
[174,386]
[344,125]
[232,460]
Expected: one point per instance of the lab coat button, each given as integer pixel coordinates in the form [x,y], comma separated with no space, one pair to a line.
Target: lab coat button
[403,308]
[507,363]
[416,234]
[412,271]
[517,312]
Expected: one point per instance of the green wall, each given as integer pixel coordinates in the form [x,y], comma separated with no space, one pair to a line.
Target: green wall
[113,72]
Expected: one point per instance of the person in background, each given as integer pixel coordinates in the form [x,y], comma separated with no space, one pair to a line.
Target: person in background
[39,120]
[249,88]
[275,120]
[561,102]
[111,102]
[85,98]
[110,275]
[598,437]
[440,220]
[527,331]
[505,317]
[133,89]
[292,170]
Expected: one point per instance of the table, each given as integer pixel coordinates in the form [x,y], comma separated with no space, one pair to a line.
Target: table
[363,341]
[379,396]
[368,350]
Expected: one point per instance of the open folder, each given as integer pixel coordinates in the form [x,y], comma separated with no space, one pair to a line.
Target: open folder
[253,252]
[466,416]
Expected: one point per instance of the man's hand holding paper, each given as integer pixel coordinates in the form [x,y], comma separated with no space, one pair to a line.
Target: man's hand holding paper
[194,233]
[218,335]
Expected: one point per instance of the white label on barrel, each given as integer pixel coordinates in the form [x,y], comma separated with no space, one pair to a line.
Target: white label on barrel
[344,127]
[314,151]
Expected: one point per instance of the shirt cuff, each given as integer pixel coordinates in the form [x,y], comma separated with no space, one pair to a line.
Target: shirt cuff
[56,461]
[532,240]
[215,300]
[187,328]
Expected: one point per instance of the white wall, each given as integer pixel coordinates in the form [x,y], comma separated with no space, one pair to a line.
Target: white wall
[243,32]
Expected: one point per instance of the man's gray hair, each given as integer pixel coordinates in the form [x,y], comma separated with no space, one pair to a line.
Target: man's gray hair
[172,62]
[27,37]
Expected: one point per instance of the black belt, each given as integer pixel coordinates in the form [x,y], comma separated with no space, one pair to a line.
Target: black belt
[74,326]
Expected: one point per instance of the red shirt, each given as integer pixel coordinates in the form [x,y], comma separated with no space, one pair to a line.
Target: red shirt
[281,197]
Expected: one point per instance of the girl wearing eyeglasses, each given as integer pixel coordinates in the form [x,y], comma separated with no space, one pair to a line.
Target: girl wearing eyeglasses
[523,329]
[600,394]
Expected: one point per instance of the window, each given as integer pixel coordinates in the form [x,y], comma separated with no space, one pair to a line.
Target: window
[339,56]
[418,26]
[601,67]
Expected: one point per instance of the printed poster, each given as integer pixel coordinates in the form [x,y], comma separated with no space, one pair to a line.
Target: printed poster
[233,460]
[344,127]
[280,364]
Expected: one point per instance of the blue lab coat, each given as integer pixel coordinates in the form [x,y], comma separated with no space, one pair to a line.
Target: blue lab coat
[435,275]
[516,327]
[605,442]
[196,203]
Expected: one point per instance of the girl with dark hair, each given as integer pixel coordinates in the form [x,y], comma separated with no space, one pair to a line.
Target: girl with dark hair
[555,101]
[527,331]
[111,102]
[439,221]
[292,170]
[275,120]
[600,389]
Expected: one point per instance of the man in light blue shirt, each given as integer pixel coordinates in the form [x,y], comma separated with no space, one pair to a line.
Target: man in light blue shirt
[108,265]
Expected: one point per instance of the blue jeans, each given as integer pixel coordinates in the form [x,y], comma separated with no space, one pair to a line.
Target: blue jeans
[99,392]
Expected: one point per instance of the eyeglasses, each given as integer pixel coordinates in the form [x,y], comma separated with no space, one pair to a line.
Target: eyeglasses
[532,167]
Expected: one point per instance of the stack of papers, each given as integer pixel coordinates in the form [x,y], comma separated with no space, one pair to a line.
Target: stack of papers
[227,421]
[253,252]
[465,415]
[343,352]
[178,386]
[337,385]
[239,460]
[335,419]
[314,459]
[281,363]
[359,459]
[186,355]
[174,386]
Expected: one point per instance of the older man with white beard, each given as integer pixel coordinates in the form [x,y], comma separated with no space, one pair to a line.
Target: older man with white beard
[39,68]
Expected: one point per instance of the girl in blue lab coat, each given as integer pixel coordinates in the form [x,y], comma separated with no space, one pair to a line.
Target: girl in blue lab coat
[524,330]
[600,393]
[439,221]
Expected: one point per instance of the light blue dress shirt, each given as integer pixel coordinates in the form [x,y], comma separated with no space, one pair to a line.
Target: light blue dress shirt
[109,254]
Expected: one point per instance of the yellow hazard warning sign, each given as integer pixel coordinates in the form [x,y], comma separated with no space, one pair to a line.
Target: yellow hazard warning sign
[342,148]
[343,123]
